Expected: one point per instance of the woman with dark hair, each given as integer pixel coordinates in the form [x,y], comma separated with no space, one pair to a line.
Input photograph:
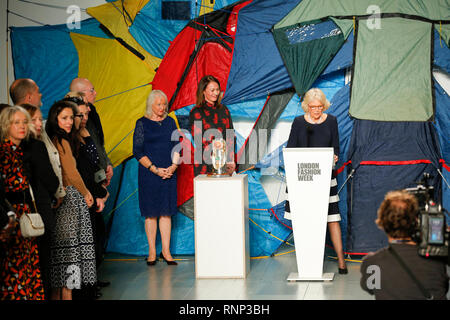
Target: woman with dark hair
[88,165]
[45,184]
[210,120]
[20,275]
[73,251]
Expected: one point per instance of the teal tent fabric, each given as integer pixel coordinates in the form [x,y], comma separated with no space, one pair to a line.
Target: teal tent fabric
[391,79]
[307,48]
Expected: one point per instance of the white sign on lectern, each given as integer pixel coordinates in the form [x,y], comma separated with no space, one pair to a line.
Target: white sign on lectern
[308,178]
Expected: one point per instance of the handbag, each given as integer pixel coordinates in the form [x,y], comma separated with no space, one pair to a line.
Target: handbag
[31,224]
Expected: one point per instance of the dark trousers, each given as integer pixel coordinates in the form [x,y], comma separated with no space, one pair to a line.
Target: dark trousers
[87,292]
[99,232]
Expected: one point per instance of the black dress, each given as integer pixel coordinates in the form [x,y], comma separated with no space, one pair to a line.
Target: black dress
[303,135]
[88,163]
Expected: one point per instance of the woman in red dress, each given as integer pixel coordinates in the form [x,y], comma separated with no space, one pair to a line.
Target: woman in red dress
[207,115]
[20,276]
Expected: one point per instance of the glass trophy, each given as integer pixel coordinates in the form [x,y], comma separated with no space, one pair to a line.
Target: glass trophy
[219,158]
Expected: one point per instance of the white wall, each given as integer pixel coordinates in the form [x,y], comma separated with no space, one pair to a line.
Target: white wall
[37,12]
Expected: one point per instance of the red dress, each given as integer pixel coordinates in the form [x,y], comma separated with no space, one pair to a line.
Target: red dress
[20,276]
[202,118]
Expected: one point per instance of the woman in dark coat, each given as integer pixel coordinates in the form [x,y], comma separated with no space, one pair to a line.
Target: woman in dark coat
[45,183]
[318,129]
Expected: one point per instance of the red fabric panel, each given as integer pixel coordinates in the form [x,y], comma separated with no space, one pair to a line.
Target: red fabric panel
[175,60]
[212,59]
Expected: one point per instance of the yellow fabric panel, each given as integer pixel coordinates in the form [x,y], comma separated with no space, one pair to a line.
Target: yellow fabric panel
[174,117]
[111,15]
[113,69]
[207,6]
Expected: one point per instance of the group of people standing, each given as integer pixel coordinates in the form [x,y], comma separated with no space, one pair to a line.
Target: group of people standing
[153,147]
[65,164]
[62,166]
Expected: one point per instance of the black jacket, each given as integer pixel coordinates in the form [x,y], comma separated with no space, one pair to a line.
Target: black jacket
[5,207]
[42,178]
[87,170]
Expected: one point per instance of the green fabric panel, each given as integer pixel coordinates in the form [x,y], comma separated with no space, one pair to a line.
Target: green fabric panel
[345,25]
[305,61]
[392,76]
[308,10]
[444,31]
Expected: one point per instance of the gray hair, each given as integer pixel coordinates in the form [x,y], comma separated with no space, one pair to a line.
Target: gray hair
[6,118]
[151,99]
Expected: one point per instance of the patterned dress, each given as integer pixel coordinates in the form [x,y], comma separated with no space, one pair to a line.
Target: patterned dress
[203,118]
[20,277]
[72,249]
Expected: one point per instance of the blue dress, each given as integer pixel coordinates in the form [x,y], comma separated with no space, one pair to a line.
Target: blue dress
[157,197]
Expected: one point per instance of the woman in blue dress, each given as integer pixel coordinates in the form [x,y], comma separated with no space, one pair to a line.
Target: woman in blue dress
[157,180]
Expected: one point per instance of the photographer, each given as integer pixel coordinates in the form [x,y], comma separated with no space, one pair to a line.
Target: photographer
[385,273]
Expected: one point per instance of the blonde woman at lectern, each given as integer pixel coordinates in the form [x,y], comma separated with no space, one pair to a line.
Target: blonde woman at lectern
[318,129]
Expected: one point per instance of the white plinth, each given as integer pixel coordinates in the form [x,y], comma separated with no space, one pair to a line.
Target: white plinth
[221,227]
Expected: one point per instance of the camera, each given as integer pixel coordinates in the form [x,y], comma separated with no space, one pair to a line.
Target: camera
[432,235]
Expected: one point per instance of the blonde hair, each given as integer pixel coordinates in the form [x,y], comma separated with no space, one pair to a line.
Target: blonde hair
[151,99]
[315,94]
[6,118]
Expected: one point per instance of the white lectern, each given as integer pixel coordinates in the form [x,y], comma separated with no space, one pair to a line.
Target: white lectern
[308,178]
[221,227]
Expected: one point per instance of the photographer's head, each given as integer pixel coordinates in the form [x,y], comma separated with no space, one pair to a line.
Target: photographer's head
[397,215]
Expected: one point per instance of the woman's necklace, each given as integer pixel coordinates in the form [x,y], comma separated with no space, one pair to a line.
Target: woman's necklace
[157,120]
[315,121]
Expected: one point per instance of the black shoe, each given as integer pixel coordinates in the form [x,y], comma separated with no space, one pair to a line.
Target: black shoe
[343,270]
[170,263]
[103,284]
[151,263]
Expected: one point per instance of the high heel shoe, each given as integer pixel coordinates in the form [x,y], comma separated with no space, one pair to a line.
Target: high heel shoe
[343,270]
[150,263]
[170,263]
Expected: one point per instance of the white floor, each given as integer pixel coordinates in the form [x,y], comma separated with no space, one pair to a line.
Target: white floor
[132,279]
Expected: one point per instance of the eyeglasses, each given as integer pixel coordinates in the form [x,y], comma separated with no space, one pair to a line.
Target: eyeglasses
[79,115]
[316,107]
